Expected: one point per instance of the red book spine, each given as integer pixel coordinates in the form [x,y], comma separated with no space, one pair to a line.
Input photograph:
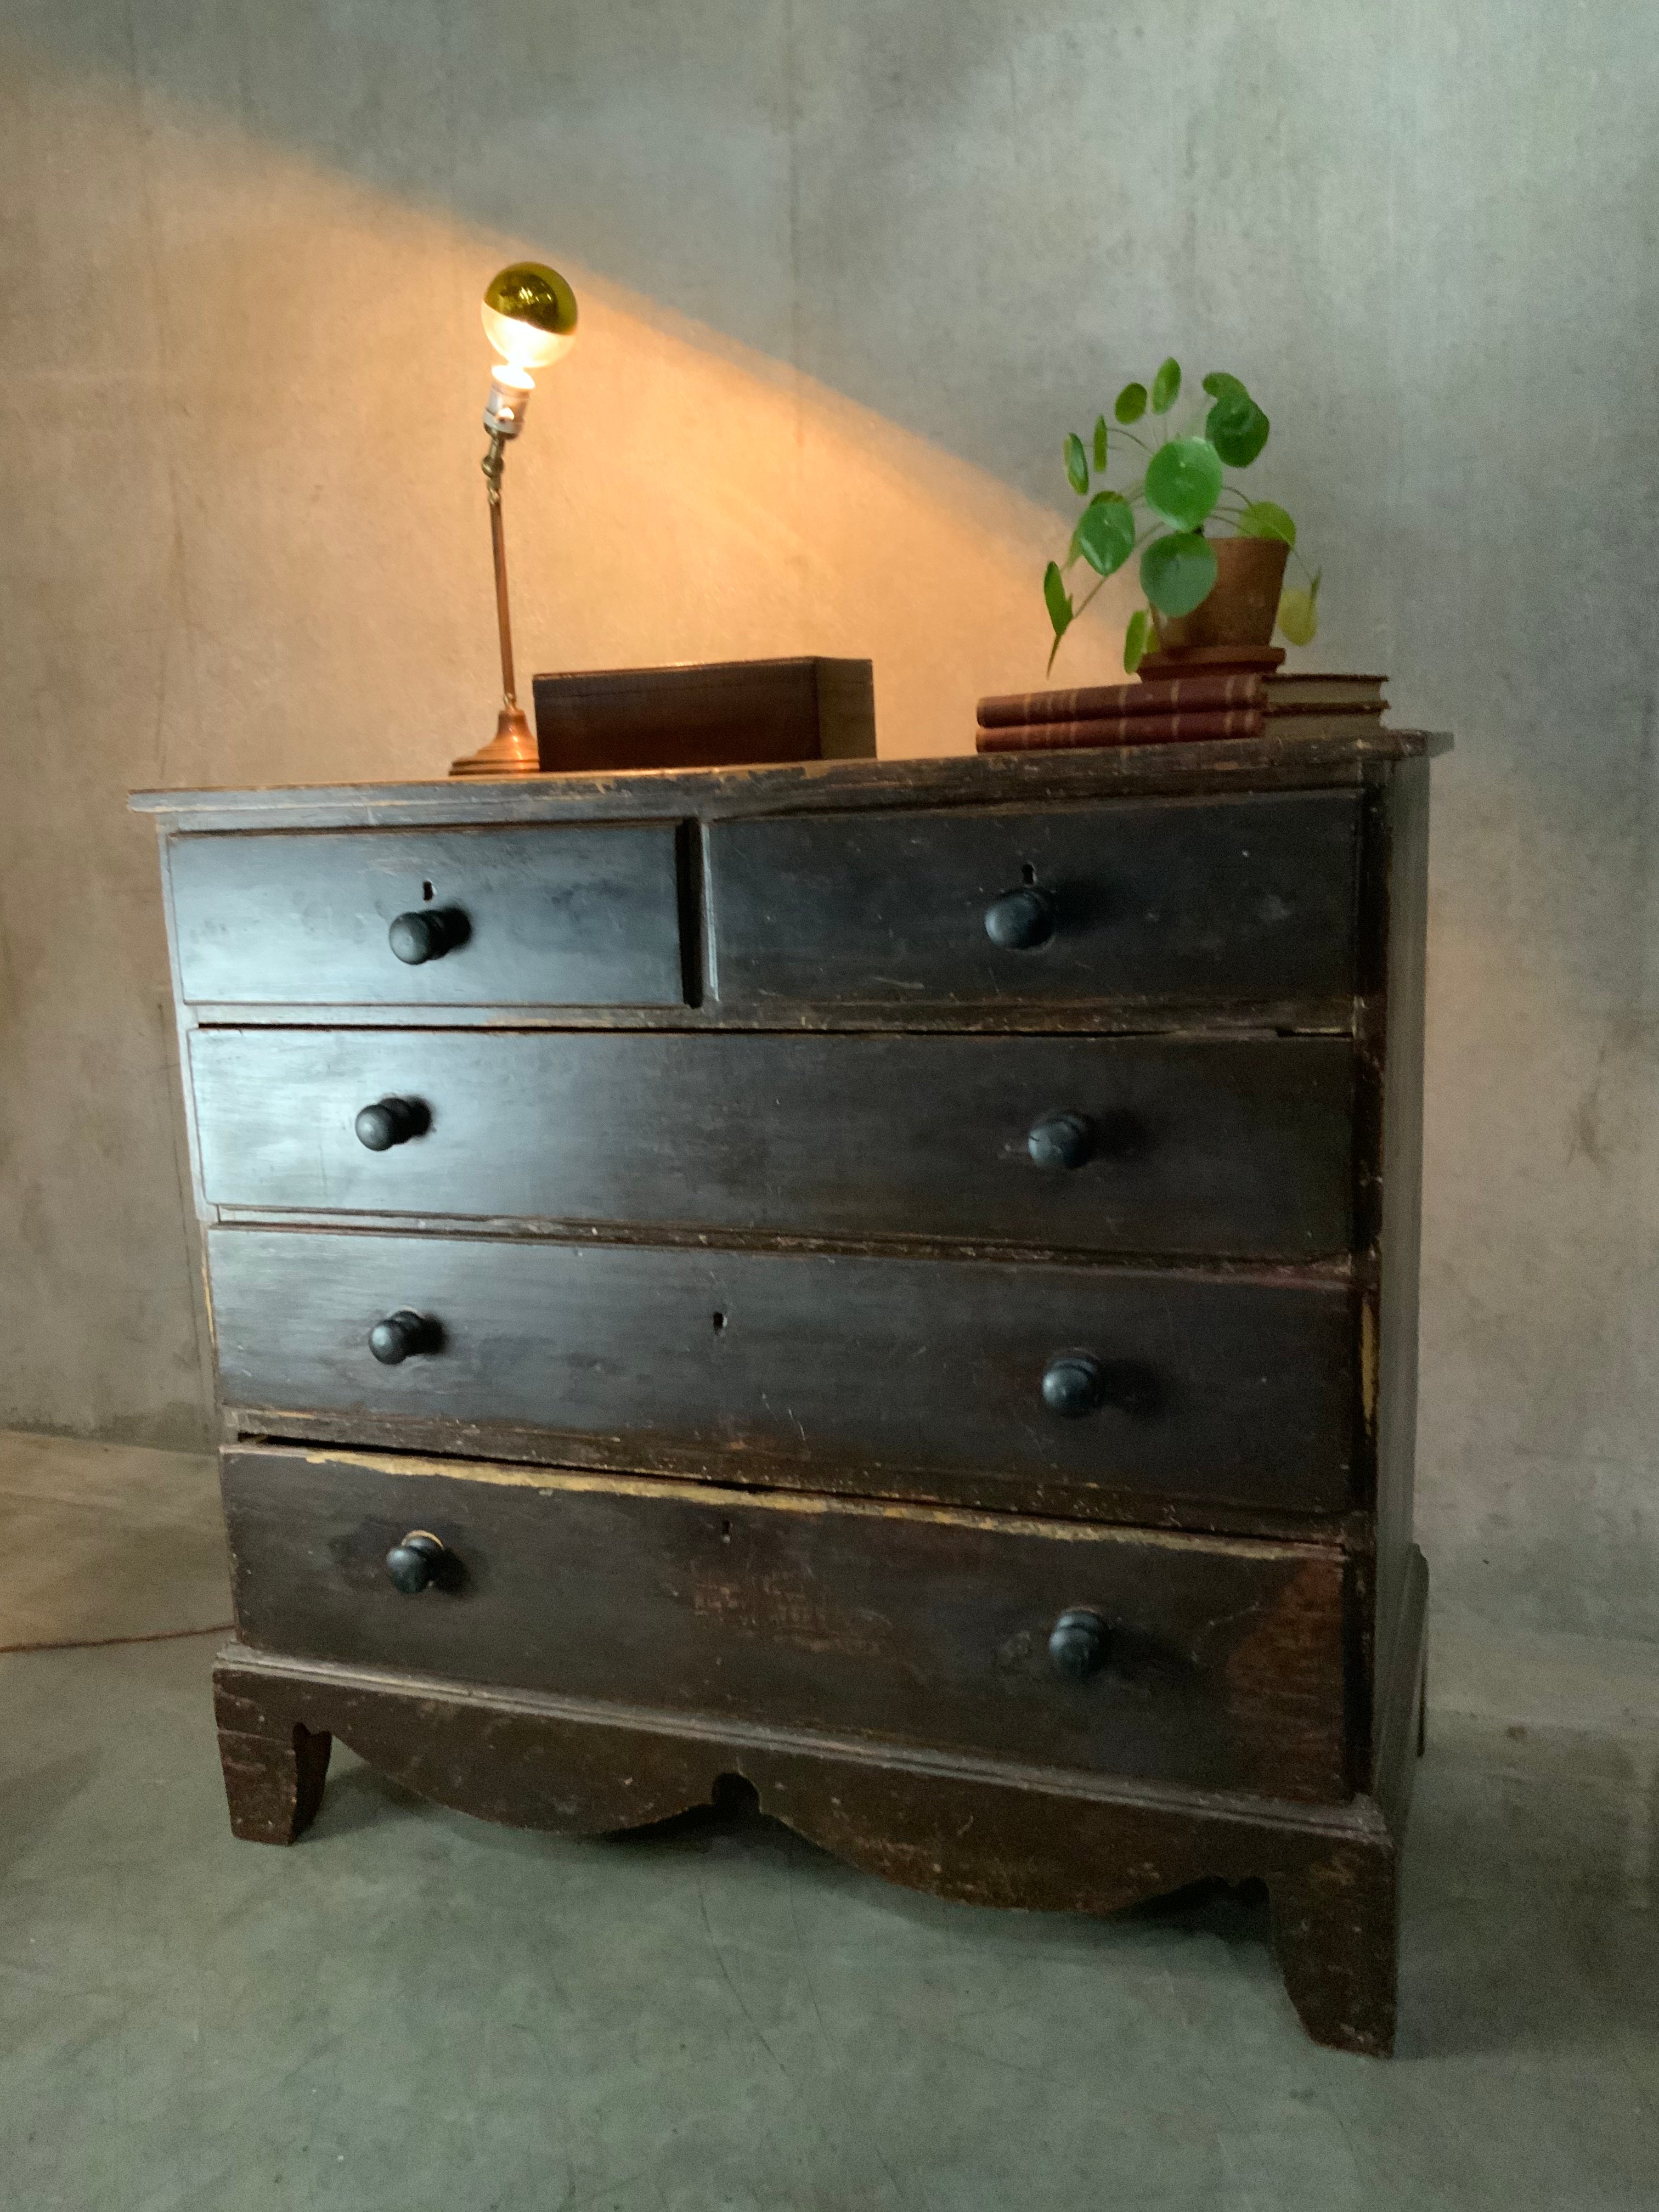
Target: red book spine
[1172,695]
[1123,730]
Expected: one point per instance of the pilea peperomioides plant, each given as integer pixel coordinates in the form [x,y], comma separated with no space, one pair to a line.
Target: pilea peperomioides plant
[1183,486]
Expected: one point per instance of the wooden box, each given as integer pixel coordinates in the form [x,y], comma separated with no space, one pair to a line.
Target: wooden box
[717,714]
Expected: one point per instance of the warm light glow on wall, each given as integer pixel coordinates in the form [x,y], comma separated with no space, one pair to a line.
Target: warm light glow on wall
[325,610]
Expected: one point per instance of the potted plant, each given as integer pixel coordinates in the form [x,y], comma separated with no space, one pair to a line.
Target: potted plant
[1202,587]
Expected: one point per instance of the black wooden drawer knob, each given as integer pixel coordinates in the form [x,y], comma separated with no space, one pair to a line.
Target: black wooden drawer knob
[415,1564]
[401,1335]
[1058,1141]
[389,1121]
[1021,921]
[1077,1643]
[427,934]
[1073,1385]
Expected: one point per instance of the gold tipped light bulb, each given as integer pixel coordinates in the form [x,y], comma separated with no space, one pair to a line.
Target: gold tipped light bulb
[529,314]
[529,318]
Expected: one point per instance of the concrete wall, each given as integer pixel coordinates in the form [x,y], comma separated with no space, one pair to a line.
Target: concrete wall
[848,271]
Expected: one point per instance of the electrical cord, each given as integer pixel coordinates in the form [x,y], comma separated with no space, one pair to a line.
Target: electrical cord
[104,1642]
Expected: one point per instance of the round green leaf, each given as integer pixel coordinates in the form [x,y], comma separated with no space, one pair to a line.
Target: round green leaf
[1136,640]
[1131,403]
[1238,428]
[1177,573]
[1100,444]
[1183,482]
[1298,618]
[1220,385]
[1105,534]
[1263,518]
[1166,387]
[1077,462]
[1058,599]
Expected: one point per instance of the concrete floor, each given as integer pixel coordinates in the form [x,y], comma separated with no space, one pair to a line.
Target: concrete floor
[412,2009]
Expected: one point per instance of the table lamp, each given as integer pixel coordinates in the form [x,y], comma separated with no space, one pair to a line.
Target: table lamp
[529,318]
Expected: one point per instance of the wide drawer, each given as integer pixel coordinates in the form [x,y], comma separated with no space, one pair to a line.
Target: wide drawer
[571,917]
[1212,901]
[1216,1664]
[1217,1147]
[1227,1388]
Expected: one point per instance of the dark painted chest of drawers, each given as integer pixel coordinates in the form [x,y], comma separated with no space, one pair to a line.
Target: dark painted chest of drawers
[893,1281]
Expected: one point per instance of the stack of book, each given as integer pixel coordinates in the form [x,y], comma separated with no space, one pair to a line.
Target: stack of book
[1177,702]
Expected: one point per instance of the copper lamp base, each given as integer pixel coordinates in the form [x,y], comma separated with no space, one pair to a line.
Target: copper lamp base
[511,751]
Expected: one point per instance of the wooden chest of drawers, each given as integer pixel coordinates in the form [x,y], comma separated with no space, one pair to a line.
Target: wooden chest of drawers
[896,1281]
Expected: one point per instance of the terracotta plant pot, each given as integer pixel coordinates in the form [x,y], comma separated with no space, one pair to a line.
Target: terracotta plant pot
[1243,605]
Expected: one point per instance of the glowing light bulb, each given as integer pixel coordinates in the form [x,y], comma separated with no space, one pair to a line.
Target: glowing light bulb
[530,315]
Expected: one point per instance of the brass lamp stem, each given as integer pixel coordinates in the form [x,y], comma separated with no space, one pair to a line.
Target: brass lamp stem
[512,750]
[491,466]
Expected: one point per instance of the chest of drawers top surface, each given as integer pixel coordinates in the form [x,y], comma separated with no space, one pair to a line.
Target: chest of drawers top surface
[808,787]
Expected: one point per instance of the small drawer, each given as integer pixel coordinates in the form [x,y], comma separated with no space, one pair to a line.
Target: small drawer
[1214,1664]
[904,1373]
[559,917]
[1220,902]
[1215,1147]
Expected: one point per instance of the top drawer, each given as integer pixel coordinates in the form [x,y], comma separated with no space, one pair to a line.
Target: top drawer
[564,917]
[1245,900]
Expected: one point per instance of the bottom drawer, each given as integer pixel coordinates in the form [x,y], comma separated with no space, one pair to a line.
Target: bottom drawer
[1215,1662]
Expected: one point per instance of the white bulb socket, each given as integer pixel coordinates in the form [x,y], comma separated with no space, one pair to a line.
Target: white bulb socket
[509,395]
